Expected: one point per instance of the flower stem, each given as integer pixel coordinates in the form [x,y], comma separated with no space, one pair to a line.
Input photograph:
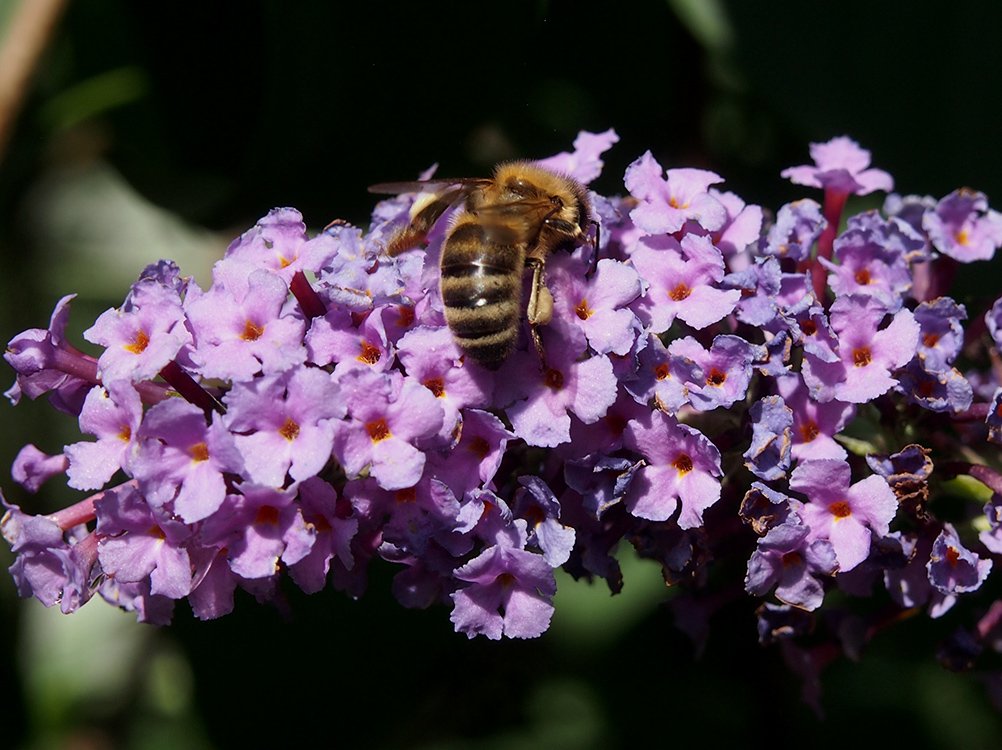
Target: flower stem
[309,300]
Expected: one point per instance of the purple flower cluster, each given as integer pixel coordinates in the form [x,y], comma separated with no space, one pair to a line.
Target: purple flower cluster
[310,412]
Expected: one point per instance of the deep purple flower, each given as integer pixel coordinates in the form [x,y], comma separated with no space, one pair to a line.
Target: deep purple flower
[964,227]
[953,569]
[768,456]
[797,227]
[33,467]
[726,368]
[787,559]
[663,377]
[333,527]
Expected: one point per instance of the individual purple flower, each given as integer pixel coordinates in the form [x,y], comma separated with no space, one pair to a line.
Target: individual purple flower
[541,398]
[605,435]
[768,456]
[994,417]
[430,356]
[260,527]
[740,230]
[600,481]
[868,265]
[180,459]
[536,503]
[284,424]
[797,227]
[113,417]
[937,390]
[759,285]
[941,334]
[33,467]
[787,559]
[665,205]
[336,337]
[53,562]
[663,377]
[953,569]
[963,226]
[141,340]
[510,593]
[683,280]
[597,304]
[846,516]
[334,528]
[840,165]
[993,319]
[389,414]
[584,164]
[242,332]
[278,243]
[992,538]
[866,355]
[46,363]
[475,459]
[136,545]
[726,368]
[681,472]
[814,424]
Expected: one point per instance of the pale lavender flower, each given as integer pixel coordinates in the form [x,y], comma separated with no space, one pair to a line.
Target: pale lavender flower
[113,417]
[846,516]
[814,424]
[840,165]
[33,467]
[726,368]
[510,593]
[285,424]
[240,330]
[681,475]
[667,204]
[390,415]
[682,280]
[584,164]
[866,355]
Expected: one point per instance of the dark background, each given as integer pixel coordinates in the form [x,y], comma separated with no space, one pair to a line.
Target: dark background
[205,115]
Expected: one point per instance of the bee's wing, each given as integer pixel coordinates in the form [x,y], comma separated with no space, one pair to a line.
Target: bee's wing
[436,197]
[428,186]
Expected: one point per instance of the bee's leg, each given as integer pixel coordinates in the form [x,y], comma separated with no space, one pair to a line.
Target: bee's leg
[540,309]
[593,265]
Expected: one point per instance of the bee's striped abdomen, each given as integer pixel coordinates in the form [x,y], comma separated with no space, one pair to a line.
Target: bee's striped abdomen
[481,285]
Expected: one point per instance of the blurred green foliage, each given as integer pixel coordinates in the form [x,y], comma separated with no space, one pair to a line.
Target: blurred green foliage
[156,129]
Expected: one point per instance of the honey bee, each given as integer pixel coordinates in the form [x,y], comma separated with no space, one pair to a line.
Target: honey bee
[508,222]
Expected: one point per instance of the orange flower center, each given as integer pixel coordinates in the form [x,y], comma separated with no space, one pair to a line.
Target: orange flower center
[378,429]
[436,386]
[252,331]
[199,452]
[715,377]
[861,357]
[683,464]
[289,429]
[840,509]
[554,379]
[139,342]
[267,514]
[479,447]
[583,311]
[369,353]
[680,292]
[809,430]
